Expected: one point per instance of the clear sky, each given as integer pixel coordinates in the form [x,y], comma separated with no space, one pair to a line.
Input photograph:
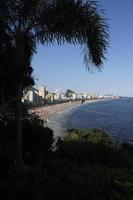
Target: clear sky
[61,67]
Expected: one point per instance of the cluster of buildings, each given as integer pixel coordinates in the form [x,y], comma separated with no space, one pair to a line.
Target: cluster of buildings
[41,96]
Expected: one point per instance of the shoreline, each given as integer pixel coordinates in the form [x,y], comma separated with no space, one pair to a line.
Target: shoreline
[47,112]
[55,116]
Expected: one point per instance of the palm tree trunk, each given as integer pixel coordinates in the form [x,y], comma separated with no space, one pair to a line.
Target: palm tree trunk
[19,91]
[18,127]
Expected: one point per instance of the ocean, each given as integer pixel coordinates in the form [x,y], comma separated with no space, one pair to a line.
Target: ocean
[114,116]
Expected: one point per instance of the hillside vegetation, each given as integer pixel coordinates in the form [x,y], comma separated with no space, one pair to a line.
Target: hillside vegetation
[85,164]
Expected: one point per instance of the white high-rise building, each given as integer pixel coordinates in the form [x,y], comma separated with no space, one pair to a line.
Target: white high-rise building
[42,92]
[31,96]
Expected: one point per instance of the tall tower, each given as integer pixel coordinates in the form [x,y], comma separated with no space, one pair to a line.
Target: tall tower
[42,92]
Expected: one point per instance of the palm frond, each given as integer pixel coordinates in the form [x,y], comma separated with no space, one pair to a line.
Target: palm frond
[50,21]
[75,22]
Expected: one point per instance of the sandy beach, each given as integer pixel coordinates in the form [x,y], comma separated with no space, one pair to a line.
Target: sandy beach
[54,116]
[46,112]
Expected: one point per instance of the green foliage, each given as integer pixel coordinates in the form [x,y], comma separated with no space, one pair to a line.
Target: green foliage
[93,136]
[94,147]
[128,148]
[99,136]
[37,140]
[26,23]
[74,135]
[61,179]
[11,76]
[77,169]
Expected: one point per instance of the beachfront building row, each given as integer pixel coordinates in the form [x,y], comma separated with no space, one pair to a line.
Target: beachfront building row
[35,97]
[40,96]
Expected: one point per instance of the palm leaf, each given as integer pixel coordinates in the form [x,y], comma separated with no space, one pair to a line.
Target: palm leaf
[77,23]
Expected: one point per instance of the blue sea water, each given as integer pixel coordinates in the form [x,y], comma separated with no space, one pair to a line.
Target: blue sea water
[114,116]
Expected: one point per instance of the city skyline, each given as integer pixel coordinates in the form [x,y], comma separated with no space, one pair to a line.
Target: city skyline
[62,90]
[62,66]
[41,96]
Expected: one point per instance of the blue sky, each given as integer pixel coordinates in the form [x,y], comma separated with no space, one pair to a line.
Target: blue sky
[61,67]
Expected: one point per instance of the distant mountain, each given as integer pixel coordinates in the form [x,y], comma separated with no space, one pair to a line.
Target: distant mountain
[69,93]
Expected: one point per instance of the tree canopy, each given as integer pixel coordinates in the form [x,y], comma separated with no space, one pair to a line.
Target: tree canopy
[47,21]
[25,23]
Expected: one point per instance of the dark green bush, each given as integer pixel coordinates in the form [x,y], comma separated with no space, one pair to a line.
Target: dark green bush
[97,136]
[62,179]
[78,169]
[94,147]
[36,139]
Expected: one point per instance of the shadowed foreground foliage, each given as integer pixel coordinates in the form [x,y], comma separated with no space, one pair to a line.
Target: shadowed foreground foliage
[37,140]
[85,165]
